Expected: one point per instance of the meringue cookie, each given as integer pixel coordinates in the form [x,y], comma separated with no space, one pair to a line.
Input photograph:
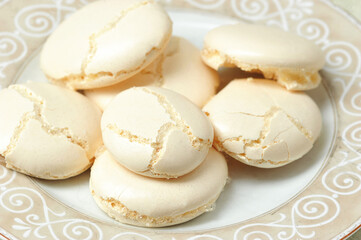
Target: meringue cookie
[137,200]
[105,42]
[261,124]
[283,56]
[156,132]
[49,132]
[179,68]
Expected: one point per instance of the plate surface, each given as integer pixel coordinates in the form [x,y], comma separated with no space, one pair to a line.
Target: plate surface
[313,198]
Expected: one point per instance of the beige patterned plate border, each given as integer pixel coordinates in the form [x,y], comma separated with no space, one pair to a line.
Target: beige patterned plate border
[328,208]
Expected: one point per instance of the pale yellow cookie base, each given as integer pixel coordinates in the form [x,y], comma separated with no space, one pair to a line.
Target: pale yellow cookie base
[121,213]
[290,78]
[48,175]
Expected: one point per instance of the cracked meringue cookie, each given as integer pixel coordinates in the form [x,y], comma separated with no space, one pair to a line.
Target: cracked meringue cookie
[179,68]
[156,132]
[105,42]
[261,124]
[283,56]
[49,132]
[150,202]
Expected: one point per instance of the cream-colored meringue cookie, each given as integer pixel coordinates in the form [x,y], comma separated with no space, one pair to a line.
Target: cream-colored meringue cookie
[156,132]
[261,124]
[290,59]
[105,42]
[49,132]
[179,68]
[137,200]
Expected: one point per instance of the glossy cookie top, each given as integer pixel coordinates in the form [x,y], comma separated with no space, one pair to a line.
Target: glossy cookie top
[289,59]
[260,123]
[264,45]
[156,132]
[105,42]
[49,131]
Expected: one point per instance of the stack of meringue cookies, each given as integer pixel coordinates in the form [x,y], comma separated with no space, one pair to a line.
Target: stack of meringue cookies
[157,166]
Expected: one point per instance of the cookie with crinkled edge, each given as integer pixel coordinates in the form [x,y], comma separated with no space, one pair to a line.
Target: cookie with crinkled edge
[150,202]
[105,42]
[49,132]
[283,56]
[259,123]
[156,132]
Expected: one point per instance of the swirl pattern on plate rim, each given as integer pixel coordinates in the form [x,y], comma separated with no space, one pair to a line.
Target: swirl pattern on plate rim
[307,212]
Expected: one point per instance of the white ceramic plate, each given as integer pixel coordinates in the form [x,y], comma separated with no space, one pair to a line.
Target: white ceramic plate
[312,198]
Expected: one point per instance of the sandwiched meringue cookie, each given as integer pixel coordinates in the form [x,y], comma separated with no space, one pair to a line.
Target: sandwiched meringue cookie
[150,202]
[156,132]
[261,124]
[49,132]
[283,56]
[179,68]
[105,42]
